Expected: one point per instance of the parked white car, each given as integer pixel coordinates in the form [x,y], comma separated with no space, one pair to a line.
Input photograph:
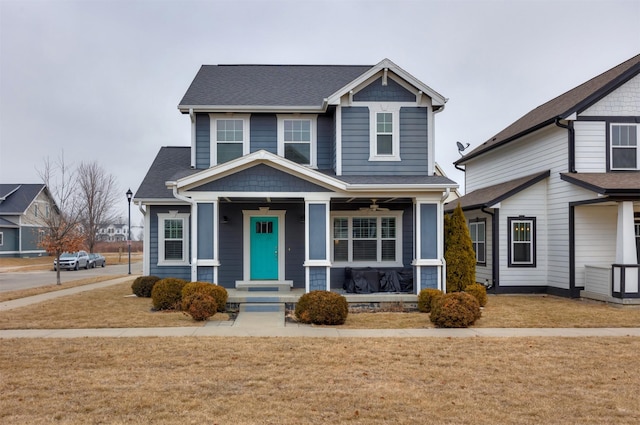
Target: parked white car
[72,261]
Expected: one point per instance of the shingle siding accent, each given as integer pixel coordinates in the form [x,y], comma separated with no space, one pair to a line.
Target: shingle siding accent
[264,133]
[203,141]
[376,92]
[624,100]
[317,278]
[261,178]
[429,277]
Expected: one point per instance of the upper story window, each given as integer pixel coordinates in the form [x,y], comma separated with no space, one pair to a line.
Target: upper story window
[478,239]
[297,138]
[367,239]
[36,210]
[229,137]
[384,142]
[522,242]
[624,147]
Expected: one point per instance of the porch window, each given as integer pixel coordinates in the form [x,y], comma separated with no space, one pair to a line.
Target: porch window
[521,242]
[367,240]
[624,147]
[173,239]
[478,239]
[230,137]
[297,139]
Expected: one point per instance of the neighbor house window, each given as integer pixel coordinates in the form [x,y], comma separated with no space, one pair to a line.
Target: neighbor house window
[173,238]
[624,147]
[521,242]
[297,139]
[229,137]
[1,238]
[35,210]
[367,239]
[384,126]
[478,239]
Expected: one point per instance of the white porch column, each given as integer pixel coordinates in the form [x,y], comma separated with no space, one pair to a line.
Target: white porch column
[317,243]
[626,247]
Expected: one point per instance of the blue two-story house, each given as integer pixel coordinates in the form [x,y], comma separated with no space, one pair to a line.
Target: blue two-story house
[296,173]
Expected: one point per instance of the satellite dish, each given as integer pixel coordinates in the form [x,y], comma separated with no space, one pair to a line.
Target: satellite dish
[461,147]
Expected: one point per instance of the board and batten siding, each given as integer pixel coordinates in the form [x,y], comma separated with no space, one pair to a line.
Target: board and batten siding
[623,101]
[590,146]
[263,133]
[203,141]
[413,133]
[595,237]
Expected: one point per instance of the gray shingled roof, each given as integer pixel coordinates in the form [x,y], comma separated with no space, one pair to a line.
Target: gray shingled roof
[575,100]
[268,85]
[618,183]
[17,201]
[488,196]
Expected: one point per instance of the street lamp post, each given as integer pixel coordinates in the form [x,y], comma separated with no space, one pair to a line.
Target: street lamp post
[129,196]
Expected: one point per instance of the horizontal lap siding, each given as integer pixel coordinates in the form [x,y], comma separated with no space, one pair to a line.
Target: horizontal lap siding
[264,133]
[484,272]
[203,141]
[595,234]
[356,143]
[591,149]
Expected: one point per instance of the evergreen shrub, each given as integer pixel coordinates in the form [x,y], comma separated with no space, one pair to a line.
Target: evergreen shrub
[426,298]
[479,291]
[199,305]
[143,285]
[167,293]
[455,310]
[322,308]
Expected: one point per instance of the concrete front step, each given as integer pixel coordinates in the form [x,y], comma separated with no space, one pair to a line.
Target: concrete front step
[262,308]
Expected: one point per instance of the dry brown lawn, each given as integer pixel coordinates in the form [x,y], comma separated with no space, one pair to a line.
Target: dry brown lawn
[311,381]
[46,262]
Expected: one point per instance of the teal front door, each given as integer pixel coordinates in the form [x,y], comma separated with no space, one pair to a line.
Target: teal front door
[264,248]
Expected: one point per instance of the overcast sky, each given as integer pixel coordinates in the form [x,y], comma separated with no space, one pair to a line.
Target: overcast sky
[101,80]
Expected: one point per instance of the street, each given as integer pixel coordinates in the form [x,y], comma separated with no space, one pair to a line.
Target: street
[23,280]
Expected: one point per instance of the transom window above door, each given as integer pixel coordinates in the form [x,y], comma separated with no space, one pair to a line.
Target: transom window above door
[229,137]
[297,138]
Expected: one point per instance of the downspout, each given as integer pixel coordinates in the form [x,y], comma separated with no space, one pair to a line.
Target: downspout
[571,144]
[495,237]
[194,234]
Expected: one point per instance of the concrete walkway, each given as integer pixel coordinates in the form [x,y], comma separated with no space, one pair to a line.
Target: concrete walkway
[256,322]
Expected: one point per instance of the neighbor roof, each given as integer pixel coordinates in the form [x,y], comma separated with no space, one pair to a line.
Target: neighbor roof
[488,196]
[267,85]
[575,100]
[613,184]
[16,198]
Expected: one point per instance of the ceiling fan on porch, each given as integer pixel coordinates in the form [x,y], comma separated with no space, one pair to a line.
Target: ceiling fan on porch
[374,207]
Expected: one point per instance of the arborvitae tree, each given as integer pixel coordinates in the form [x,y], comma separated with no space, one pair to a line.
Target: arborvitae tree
[459,253]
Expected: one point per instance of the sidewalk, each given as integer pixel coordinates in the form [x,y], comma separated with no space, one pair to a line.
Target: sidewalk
[272,324]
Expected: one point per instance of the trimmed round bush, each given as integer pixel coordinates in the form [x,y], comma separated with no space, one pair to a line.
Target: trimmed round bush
[322,308]
[426,298]
[217,292]
[199,305]
[455,310]
[167,293]
[143,285]
[479,291]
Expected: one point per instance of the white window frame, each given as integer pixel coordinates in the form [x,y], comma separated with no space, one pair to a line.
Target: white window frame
[185,238]
[532,242]
[1,238]
[477,224]
[394,109]
[213,133]
[313,119]
[350,215]
[612,147]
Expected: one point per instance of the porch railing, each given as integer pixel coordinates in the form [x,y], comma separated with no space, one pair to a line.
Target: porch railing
[625,279]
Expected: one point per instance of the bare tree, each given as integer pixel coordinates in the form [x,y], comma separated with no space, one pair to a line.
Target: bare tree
[62,223]
[98,195]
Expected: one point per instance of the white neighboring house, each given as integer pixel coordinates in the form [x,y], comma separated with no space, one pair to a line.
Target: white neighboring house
[553,200]
[113,233]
